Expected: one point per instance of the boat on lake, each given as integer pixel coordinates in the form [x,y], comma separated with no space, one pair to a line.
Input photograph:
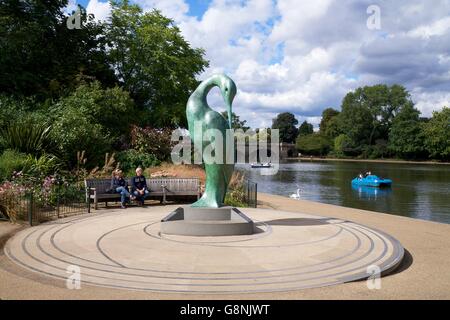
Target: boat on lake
[372,181]
[261,165]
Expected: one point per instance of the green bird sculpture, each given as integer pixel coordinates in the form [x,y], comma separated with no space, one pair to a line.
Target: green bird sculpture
[201,118]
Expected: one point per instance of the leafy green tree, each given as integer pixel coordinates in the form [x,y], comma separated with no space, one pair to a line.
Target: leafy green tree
[313,144]
[305,129]
[40,56]
[406,136]
[437,134]
[341,144]
[286,123]
[236,122]
[111,108]
[13,109]
[377,150]
[368,112]
[153,62]
[329,124]
[355,122]
[129,160]
[75,131]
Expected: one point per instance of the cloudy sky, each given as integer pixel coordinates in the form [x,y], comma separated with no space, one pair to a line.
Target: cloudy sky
[303,56]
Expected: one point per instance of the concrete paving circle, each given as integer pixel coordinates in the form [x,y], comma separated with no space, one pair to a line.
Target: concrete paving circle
[124,249]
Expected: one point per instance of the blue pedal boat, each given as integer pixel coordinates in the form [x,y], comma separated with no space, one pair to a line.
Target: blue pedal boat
[372,181]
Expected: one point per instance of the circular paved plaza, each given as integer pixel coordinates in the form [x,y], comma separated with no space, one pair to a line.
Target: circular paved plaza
[124,249]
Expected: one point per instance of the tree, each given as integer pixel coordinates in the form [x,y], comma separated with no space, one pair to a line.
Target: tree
[328,124]
[313,144]
[286,123]
[305,129]
[437,134]
[355,122]
[90,118]
[111,108]
[153,62]
[405,135]
[236,122]
[74,131]
[367,113]
[341,144]
[40,56]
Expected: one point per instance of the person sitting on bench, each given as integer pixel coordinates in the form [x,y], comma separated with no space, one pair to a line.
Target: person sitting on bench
[120,185]
[140,186]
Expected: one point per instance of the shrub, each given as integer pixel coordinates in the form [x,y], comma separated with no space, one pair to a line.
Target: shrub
[378,150]
[131,159]
[105,171]
[12,205]
[40,167]
[12,109]
[11,161]
[111,108]
[236,191]
[313,144]
[156,142]
[75,131]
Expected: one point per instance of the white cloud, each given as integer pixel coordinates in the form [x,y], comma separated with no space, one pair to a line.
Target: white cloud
[101,10]
[427,102]
[304,56]
[437,28]
[295,16]
[174,9]
[230,32]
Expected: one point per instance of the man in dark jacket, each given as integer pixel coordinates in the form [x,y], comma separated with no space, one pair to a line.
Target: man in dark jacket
[140,186]
[120,185]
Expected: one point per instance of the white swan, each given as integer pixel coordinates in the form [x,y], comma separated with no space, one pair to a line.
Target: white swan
[295,195]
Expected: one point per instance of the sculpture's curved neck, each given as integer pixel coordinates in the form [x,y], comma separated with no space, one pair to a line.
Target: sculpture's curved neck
[201,93]
[206,86]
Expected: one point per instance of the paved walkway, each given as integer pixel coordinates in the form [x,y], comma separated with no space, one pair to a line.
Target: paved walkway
[427,277]
[125,250]
[7,229]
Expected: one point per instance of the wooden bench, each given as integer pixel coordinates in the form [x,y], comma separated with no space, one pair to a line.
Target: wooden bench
[162,189]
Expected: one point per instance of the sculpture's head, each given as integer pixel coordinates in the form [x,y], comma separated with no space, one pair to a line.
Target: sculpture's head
[228,89]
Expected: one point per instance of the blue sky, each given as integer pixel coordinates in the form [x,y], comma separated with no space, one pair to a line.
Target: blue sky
[303,56]
[196,7]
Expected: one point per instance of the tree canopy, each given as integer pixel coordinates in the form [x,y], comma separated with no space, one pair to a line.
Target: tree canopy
[313,144]
[87,86]
[305,129]
[236,121]
[378,121]
[367,114]
[329,123]
[40,56]
[142,52]
[437,134]
[286,123]
[153,62]
[405,135]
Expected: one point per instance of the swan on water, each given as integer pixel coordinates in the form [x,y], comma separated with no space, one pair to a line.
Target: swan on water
[295,195]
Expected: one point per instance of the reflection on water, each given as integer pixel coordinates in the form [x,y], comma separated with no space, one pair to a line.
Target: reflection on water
[371,193]
[418,191]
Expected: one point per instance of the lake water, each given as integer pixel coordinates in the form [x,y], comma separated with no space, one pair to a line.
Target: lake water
[418,191]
